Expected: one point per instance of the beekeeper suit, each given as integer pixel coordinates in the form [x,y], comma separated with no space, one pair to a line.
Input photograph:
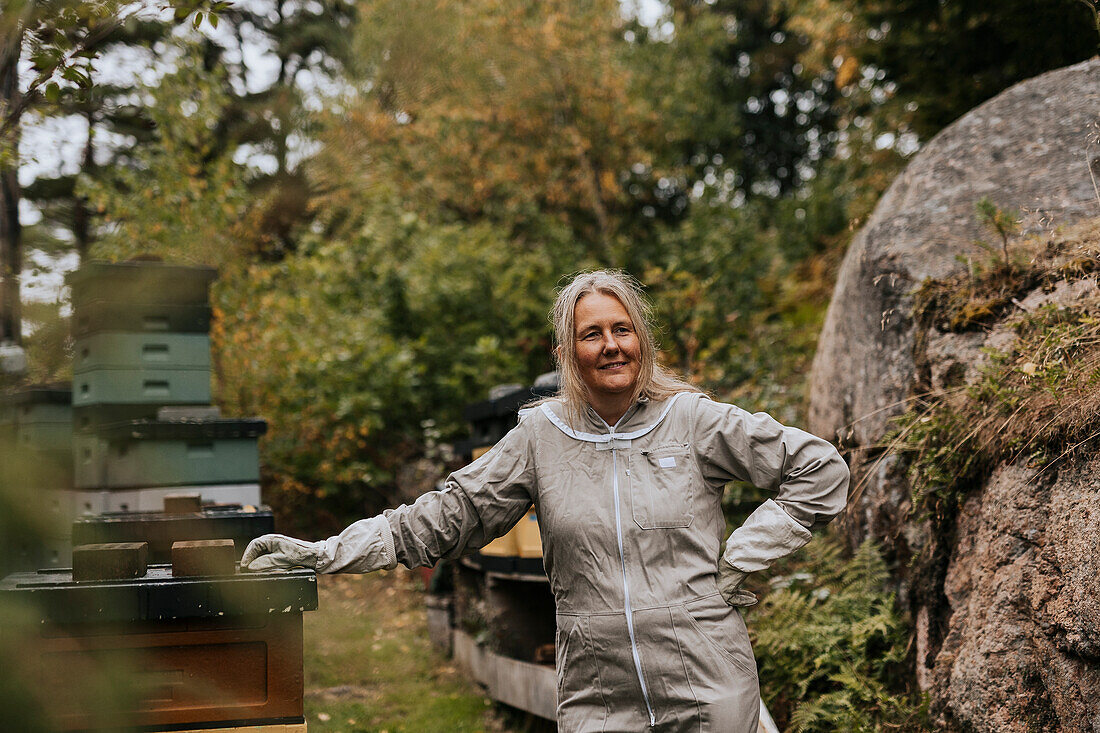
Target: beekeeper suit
[631,520]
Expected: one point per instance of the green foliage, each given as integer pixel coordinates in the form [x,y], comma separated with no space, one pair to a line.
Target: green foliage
[833,647]
[59,37]
[471,112]
[48,345]
[350,345]
[742,115]
[1004,224]
[27,523]
[183,198]
[1094,8]
[948,57]
[742,291]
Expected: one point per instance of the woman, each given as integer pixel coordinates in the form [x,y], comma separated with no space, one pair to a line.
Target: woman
[625,468]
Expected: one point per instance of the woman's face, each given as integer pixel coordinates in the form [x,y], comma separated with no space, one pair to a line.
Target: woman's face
[608,352]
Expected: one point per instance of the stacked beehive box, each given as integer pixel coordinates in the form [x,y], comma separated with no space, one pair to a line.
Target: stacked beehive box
[144,426]
[35,461]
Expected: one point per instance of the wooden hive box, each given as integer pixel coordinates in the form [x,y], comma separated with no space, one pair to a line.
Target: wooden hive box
[185,652]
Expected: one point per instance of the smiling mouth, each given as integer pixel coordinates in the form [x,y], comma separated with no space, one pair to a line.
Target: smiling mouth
[614,365]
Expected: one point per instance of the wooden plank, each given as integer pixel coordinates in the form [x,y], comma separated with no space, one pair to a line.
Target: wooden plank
[523,685]
[279,728]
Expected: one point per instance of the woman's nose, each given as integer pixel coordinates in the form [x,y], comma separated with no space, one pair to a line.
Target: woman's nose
[609,343]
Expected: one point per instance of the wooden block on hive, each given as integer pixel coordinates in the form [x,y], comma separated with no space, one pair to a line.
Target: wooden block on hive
[203,557]
[182,504]
[110,560]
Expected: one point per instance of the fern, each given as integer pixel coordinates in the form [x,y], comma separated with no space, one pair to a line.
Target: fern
[832,649]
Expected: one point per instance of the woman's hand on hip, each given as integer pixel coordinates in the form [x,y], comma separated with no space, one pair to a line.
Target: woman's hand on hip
[729,585]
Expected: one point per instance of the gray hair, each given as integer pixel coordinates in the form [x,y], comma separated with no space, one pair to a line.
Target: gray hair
[654,382]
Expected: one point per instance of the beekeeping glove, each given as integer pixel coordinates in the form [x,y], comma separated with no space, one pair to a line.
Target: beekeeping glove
[363,547]
[729,584]
[768,534]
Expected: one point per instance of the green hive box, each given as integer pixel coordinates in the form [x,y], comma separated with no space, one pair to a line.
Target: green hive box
[141,282]
[89,460]
[141,351]
[52,436]
[36,423]
[41,428]
[37,418]
[108,316]
[147,454]
[141,386]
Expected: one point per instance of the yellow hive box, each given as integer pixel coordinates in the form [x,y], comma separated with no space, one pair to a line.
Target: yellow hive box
[523,540]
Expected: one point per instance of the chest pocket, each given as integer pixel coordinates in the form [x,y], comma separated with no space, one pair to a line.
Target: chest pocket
[662,486]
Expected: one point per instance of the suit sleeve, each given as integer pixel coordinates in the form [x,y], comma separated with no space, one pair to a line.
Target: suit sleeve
[477,504]
[808,474]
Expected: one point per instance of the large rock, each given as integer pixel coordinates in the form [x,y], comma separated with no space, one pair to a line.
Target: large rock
[1023,648]
[1024,149]
[1011,642]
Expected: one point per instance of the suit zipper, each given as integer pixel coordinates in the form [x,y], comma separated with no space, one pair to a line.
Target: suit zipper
[626,586]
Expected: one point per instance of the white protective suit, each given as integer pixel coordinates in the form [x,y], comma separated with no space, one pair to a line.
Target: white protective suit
[632,527]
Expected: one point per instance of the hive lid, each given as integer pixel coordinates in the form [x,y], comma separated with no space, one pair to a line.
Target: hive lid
[140,280]
[505,404]
[209,512]
[220,428]
[42,394]
[158,596]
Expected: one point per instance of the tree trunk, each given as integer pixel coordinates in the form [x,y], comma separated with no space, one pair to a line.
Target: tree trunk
[11,233]
[82,217]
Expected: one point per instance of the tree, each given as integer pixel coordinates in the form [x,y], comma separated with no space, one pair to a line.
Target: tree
[108,111]
[743,115]
[59,38]
[472,111]
[948,57]
[181,197]
[308,45]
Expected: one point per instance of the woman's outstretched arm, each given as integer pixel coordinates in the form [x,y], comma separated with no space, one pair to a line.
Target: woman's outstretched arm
[478,503]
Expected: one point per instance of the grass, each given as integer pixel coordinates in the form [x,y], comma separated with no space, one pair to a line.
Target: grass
[370,668]
[1037,401]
